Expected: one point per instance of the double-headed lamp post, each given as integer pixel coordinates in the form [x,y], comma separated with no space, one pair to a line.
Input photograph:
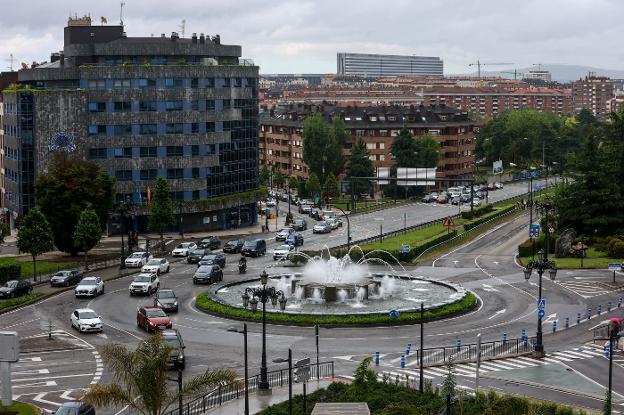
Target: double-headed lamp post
[251,297]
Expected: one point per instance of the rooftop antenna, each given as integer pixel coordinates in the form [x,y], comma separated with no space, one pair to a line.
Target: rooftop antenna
[121,6]
[182,27]
[10,60]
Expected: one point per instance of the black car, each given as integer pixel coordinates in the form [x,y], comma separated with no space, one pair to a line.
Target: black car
[66,278]
[313,212]
[196,255]
[211,259]
[234,246]
[173,339]
[75,408]
[166,299]
[208,274]
[254,247]
[15,288]
[211,242]
[300,225]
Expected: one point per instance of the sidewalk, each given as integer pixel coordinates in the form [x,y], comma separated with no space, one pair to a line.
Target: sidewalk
[258,403]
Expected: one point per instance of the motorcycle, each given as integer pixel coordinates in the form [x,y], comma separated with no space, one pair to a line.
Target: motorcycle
[242,267]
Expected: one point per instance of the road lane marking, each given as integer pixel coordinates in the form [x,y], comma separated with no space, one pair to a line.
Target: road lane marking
[38,384]
[497,313]
[39,398]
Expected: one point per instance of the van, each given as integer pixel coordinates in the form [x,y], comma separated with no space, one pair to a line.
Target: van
[254,247]
[329,214]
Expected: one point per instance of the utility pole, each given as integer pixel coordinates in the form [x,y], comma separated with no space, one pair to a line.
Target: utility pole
[10,60]
[121,6]
[183,27]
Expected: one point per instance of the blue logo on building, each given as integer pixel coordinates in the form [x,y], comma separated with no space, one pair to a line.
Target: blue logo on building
[62,142]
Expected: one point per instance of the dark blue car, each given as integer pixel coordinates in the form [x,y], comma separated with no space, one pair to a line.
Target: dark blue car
[295,239]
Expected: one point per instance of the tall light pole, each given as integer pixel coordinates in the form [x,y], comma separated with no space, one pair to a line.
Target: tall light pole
[251,297]
[244,333]
[348,226]
[290,376]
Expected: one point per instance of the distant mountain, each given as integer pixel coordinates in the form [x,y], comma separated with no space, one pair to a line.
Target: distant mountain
[560,73]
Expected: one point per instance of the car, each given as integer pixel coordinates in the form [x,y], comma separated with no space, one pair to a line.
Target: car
[156,265]
[144,283]
[173,339]
[254,247]
[321,227]
[89,287]
[498,185]
[210,259]
[428,198]
[210,242]
[475,202]
[304,208]
[443,198]
[14,288]
[316,214]
[153,318]
[137,259]
[282,252]
[166,299]
[183,249]
[75,408]
[328,214]
[234,246]
[66,278]
[295,239]
[333,223]
[300,224]
[86,320]
[465,198]
[456,200]
[283,234]
[208,274]
[313,213]
[196,255]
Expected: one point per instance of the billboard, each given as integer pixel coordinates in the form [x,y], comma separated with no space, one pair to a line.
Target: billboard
[382,173]
[421,176]
[497,167]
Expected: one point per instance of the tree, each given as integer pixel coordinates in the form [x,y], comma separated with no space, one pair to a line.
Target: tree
[140,379]
[313,186]
[293,183]
[35,236]
[264,175]
[330,187]
[360,165]
[323,144]
[64,191]
[278,177]
[88,231]
[403,149]
[427,151]
[161,209]
[449,385]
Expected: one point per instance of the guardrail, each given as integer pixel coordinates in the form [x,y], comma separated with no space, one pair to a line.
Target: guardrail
[229,392]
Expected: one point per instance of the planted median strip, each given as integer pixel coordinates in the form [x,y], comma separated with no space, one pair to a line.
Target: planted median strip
[13,303]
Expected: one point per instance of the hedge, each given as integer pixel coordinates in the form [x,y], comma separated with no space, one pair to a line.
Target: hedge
[472,224]
[526,249]
[204,303]
[480,211]
[10,272]
[19,301]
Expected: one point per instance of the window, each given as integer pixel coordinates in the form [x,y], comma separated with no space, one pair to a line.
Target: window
[121,84]
[195,172]
[148,174]
[210,127]
[370,146]
[97,130]
[238,82]
[194,128]
[176,128]
[97,106]
[382,157]
[122,106]
[227,82]
[97,84]
[147,129]
[175,151]
[227,104]
[96,153]
[381,146]
[173,83]
[123,175]
[209,82]
[194,83]
[195,150]
[178,195]
[148,152]
[147,106]
[173,105]
[195,105]
[210,105]
[175,173]
[195,194]
[123,152]
[122,129]
[147,83]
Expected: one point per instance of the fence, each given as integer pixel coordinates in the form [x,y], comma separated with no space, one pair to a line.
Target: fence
[94,264]
[226,393]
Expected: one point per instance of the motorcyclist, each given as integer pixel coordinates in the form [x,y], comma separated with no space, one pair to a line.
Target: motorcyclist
[242,264]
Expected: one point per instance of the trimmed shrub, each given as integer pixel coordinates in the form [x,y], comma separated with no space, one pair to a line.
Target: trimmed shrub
[617,250]
[525,249]
[480,211]
[484,218]
[10,272]
[611,247]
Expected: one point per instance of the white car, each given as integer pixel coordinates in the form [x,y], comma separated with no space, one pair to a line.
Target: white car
[283,234]
[156,265]
[144,283]
[86,320]
[89,287]
[333,223]
[476,202]
[283,251]
[137,259]
[184,248]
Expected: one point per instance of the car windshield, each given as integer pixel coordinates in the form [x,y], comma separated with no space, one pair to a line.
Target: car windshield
[299,221]
[232,243]
[142,278]
[285,230]
[88,314]
[204,269]
[154,262]
[62,274]
[250,244]
[156,313]
[11,284]
[184,245]
[198,252]
[64,410]
[322,223]
[284,248]
[136,255]
[173,342]
[166,294]
[88,281]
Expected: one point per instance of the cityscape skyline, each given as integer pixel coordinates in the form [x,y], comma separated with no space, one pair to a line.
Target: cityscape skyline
[307,42]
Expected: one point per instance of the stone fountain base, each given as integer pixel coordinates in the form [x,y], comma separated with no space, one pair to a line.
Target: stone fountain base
[330,292]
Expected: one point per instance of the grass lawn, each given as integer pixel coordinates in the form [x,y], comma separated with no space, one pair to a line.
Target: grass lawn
[21,408]
[43,267]
[412,238]
[593,259]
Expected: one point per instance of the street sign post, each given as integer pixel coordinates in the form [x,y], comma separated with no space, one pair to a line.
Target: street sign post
[541,304]
[540,313]
[534,230]
[394,314]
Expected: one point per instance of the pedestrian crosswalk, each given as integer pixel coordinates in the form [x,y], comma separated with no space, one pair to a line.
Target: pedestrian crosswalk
[587,287]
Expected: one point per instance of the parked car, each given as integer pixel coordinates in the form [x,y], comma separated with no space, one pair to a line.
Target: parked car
[234,246]
[254,247]
[211,242]
[321,227]
[475,202]
[156,265]
[66,278]
[86,320]
[300,225]
[211,259]
[144,284]
[498,185]
[89,287]
[443,198]
[75,408]
[456,200]
[434,196]
[283,234]
[14,288]
[166,299]
[295,239]
[428,199]
[196,255]
[183,249]
[153,318]
[465,198]
[328,214]
[173,339]
[304,208]
[282,252]
[137,259]
[208,274]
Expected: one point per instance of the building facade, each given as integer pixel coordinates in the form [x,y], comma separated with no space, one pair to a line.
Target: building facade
[6,79]
[281,135]
[142,108]
[371,65]
[593,93]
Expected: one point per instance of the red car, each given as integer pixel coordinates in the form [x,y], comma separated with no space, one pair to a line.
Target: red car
[153,318]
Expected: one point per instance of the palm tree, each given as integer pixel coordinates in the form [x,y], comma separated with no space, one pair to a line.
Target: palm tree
[140,379]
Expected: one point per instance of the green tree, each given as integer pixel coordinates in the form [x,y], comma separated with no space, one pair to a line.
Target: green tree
[360,165]
[427,151]
[404,149]
[64,191]
[323,144]
[161,209]
[313,185]
[449,385]
[293,183]
[330,187]
[264,175]
[88,231]
[5,230]
[141,379]
[35,236]
[278,177]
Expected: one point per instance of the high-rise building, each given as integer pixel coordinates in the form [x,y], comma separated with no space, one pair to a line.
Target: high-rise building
[545,76]
[372,65]
[6,79]
[593,93]
[141,108]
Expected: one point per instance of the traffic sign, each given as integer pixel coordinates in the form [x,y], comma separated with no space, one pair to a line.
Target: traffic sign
[615,265]
[394,314]
[541,303]
[534,230]
[405,249]
[302,370]
[540,313]
[538,188]
[448,222]
[551,230]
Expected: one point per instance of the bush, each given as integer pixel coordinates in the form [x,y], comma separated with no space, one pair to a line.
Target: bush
[611,246]
[526,249]
[10,272]
[480,211]
[617,250]
[486,217]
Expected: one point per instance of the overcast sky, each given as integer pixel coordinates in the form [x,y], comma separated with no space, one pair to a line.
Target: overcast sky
[303,36]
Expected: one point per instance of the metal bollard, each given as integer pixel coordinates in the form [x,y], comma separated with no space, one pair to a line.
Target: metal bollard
[376,358]
[599,309]
[620,303]
[504,338]
[578,318]
[589,314]
[525,339]
[402,361]
[609,306]
[567,322]
[408,349]
[458,343]
[554,326]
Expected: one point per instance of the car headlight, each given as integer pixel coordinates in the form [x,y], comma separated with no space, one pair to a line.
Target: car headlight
[175,303]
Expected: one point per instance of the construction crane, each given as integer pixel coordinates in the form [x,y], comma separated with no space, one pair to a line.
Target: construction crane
[515,73]
[479,64]
[10,61]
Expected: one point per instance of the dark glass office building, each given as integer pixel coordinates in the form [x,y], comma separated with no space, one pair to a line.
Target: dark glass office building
[182,109]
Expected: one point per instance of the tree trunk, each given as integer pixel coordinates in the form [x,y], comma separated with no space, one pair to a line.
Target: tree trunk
[162,243]
[86,266]
[34,268]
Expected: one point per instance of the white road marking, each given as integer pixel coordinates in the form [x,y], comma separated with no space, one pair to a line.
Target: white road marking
[33,372]
[39,398]
[497,313]
[38,384]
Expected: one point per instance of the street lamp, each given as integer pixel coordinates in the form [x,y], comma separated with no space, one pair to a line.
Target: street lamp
[244,333]
[251,297]
[290,375]
[348,226]
[124,208]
